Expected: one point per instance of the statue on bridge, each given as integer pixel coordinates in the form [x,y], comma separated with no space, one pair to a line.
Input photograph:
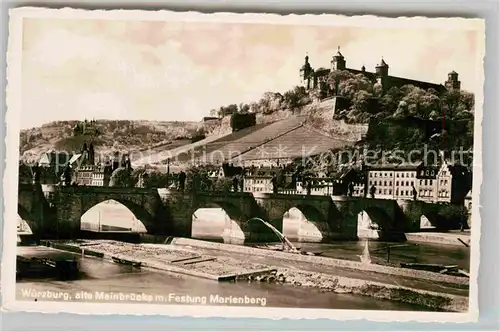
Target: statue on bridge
[350,189]
[36,171]
[182,181]
[235,183]
[373,189]
[274,182]
[67,175]
[414,192]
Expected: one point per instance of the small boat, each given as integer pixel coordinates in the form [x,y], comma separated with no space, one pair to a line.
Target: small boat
[438,268]
[126,262]
[65,269]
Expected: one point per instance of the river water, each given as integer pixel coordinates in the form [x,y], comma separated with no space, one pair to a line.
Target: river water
[426,253]
[102,276]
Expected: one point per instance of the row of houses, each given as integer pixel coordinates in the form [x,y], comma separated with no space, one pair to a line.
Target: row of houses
[445,183]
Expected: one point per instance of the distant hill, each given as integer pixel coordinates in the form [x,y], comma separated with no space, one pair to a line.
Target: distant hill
[122,135]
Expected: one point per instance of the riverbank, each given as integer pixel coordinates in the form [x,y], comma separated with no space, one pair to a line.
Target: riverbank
[224,265]
[449,238]
[325,261]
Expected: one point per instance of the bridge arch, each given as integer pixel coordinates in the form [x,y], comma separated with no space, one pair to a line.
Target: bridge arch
[373,222]
[27,225]
[219,221]
[97,215]
[305,223]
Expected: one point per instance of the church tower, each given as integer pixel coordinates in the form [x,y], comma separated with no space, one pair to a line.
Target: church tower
[338,61]
[452,83]
[91,154]
[85,154]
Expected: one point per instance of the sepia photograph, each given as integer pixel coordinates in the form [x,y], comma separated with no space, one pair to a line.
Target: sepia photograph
[243,164]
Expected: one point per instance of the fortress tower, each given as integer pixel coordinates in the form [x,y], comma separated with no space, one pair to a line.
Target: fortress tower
[452,83]
[305,72]
[318,78]
[338,61]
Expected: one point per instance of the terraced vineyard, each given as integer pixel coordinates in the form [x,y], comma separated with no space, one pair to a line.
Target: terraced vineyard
[301,141]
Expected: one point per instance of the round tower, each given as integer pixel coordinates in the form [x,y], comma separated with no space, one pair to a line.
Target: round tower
[382,69]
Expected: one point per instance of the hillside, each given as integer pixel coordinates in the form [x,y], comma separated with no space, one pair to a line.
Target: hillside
[151,141]
[120,135]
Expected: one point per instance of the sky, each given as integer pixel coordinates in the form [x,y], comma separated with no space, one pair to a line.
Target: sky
[74,69]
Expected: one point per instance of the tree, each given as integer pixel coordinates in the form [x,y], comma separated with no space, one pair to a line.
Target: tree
[122,177]
[157,180]
[419,101]
[244,108]
[295,98]
[197,179]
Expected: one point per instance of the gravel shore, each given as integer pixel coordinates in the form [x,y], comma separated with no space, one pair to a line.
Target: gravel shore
[189,261]
[331,283]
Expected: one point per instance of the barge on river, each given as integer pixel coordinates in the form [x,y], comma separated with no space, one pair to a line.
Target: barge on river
[46,267]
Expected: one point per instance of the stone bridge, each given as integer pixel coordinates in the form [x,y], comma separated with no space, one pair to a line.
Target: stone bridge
[56,213]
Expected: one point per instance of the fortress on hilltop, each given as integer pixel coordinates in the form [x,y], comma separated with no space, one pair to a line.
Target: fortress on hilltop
[318,78]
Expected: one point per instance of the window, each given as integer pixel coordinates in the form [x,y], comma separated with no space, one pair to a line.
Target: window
[380,191]
[422,173]
[432,173]
[385,192]
[406,192]
[397,183]
[390,192]
[390,183]
[430,182]
[385,183]
[397,175]
[425,182]
[412,183]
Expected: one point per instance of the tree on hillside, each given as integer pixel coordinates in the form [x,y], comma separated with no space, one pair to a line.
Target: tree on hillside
[227,110]
[456,101]
[337,76]
[390,100]
[349,87]
[270,102]
[419,101]
[244,108]
[295,98]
